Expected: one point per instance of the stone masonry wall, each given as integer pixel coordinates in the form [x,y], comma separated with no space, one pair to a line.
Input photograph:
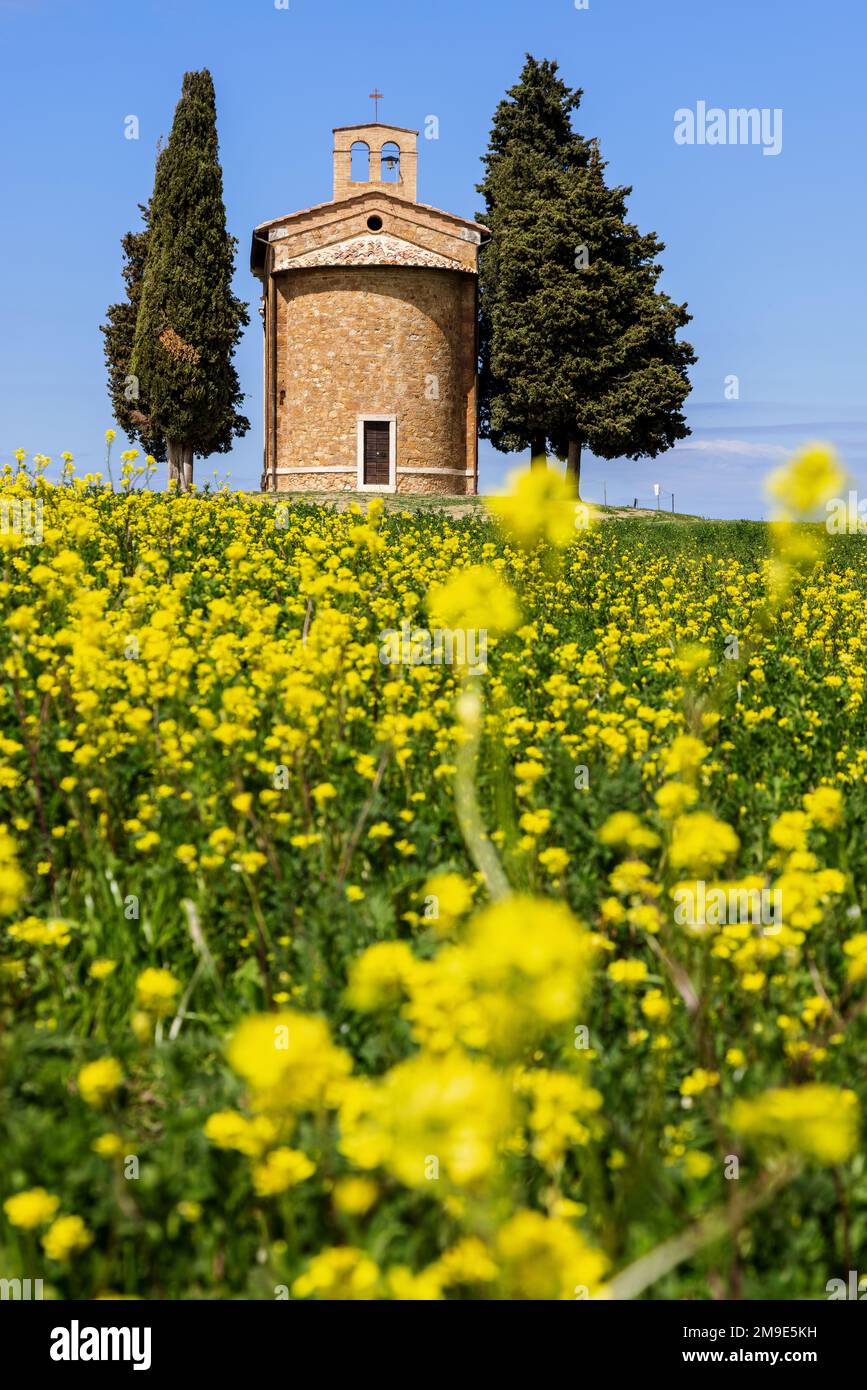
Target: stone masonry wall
[383,340]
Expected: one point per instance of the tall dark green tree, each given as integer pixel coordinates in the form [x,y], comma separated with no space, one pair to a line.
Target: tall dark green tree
[532,141]
[128,406]
[578,346]
[189,322]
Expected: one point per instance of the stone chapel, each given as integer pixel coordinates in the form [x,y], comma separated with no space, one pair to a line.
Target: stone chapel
[369,304]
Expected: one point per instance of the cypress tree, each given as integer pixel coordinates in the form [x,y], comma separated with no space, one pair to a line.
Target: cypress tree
[128,407]
[625,376]
[532,141]
[189,322]
[578,346]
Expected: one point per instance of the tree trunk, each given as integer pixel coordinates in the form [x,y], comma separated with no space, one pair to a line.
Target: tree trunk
[538,452]
[187,468]
[180,464]
[174,450]
[573,464]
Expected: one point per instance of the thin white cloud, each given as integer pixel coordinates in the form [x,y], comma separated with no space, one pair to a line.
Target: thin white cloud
[744,448]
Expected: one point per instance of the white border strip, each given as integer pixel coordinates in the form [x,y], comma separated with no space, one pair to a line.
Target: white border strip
[339,468]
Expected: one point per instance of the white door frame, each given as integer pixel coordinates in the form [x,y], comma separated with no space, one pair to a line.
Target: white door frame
[391,485]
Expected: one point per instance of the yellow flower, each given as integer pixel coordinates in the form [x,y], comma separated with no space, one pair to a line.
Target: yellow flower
[99,1080]
[468,1262]
[190,1211]
[698,1081]
[625,828]
[448,897]
[475,599]
[789,831]
[380,976]
[230,1130]
[627,972]
[700,842]
[251,861]
[142,1026]
[526,963]
[36,933]
[541,506]
[820,1122]
[556,861]
[692,656]
[407,1287]
[27,1210]
[685,756]
[561,1114]
[856,949]
[355,1196]
[630,877]
[655,1006]
[12,881]
[288,1060]
[429,1117]
[808,481]
[697,1164]
[282,1169]
[673,798]
[156,990]
[323,793]
[101,969]
[824,807]
[543,1259]
[68,1236]
[341,1272]
[108,1145]
[529,771]
[645,917]
[753,981]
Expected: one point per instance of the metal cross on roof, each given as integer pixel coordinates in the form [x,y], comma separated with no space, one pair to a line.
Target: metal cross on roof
[376,98]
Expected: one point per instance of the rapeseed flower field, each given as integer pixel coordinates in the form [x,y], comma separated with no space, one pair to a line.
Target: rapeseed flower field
[332,969]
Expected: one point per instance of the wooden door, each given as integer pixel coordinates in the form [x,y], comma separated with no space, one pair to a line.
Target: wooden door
[377,439]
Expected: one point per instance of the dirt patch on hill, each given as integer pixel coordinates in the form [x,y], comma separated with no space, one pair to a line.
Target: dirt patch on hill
[453,507]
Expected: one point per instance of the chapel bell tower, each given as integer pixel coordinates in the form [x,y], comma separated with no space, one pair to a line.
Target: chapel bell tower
[375,157]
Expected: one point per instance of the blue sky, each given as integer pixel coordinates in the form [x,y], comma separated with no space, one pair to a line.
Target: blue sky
[768,251]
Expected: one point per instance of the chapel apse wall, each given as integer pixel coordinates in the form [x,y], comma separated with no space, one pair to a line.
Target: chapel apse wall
[364,342]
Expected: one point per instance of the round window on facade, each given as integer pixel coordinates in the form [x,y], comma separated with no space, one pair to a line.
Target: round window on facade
[375,223]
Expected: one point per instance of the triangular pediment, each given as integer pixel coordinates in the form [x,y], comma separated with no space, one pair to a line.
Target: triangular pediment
[371,248]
